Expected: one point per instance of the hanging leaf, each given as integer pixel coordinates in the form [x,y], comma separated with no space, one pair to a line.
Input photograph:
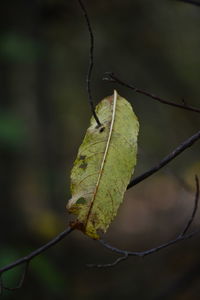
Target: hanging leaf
[104,166]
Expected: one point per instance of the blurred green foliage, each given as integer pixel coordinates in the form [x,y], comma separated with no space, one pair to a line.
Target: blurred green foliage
[18,48]
[12,131]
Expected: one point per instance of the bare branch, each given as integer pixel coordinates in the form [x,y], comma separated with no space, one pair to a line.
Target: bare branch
[109,76]
[21,281]
[194,209]
[118,260]
[91,63]
[26,259]
[180,237]
[177,151]
[197,3]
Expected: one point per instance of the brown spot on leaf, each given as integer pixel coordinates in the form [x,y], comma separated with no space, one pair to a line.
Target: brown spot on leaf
[82,157]
[83,165]
[102,129]
[110,99]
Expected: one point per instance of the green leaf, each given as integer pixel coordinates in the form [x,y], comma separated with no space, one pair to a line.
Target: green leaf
[104,166]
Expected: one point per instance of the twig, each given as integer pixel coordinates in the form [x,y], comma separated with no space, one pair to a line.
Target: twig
[91,62]
[190,2]
[118,260]
[152,250]
[21,281]
[109,76]
[194,209]
[38,251]
[180,237]
[26,259]
[182,147]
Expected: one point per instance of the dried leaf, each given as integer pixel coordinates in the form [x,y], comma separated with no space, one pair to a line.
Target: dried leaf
[104,166]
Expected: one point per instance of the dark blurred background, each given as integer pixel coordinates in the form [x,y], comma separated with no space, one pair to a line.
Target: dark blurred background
[44,113]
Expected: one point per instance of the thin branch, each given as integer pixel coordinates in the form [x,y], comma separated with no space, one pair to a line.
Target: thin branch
[116,261]
[180,237]
[109,76]
[182,147]
[21,281]
[197,3]
[91,62]
[194,209]
[26,259]
[152,250]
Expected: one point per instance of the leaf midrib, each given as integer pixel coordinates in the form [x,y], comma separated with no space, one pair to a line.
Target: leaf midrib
[104,156]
